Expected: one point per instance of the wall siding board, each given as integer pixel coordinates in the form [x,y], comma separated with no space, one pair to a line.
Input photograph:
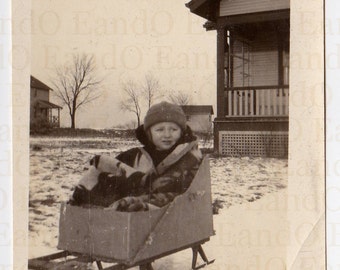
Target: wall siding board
[263,61]
[235,7]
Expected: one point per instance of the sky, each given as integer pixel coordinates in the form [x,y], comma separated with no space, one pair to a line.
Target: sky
[128,39]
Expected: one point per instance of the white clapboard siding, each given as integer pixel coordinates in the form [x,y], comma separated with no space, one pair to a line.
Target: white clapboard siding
[235,7]
[265,67]
[261,63]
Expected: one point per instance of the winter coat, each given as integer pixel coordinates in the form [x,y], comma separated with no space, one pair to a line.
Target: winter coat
[141,178]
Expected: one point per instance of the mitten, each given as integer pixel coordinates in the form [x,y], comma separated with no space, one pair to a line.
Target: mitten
[164,184]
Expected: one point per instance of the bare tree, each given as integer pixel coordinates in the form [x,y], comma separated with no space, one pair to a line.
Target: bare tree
[133,101]
[76,84]
[179,98]
[151,89]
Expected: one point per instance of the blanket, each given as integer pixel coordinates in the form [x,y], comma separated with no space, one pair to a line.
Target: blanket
[112,183]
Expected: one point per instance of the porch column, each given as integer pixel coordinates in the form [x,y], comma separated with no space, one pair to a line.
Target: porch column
[221,36]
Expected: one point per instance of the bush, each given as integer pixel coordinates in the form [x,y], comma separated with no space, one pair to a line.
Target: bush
[36,147]
[40,126]
[216,206]
[81,132]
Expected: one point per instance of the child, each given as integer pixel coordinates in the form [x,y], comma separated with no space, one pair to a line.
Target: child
[145,177]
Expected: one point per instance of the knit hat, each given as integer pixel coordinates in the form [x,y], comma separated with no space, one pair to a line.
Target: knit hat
[165,112]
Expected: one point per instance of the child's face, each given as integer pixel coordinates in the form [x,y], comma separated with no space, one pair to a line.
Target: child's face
[164,135]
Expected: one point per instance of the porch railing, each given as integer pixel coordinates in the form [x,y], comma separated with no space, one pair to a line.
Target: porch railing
[256,101]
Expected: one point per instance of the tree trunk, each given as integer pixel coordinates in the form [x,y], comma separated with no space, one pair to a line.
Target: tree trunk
[73,114]
[138,121]
[73,121]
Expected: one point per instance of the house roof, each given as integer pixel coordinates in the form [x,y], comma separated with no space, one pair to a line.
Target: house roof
[47,104]
[35,83]
[205,8]
[194,109]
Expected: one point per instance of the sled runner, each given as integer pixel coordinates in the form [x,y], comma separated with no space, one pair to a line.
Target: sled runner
[127,239]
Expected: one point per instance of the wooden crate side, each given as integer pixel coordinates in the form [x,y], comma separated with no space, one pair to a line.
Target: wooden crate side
[109,233]
[104,233]
[73,229]
[138,227]
[187,220]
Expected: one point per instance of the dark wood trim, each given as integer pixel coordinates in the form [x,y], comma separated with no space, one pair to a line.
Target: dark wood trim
[208,9]
[262,87]
[231,62]
[253,17]
[280,57]
[221,39]
[228,51]
[194,4]
[260,119]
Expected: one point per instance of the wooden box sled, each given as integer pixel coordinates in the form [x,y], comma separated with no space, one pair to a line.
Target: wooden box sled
[140,237]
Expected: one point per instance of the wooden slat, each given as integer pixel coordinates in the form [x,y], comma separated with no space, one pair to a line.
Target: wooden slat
[53,256]
[240,102]
[257,102]
[235,103]
[280,101]
[272,102]
[286,102]
[67,264]
[263,103]
[246,103]
[251,103]
[230,96]
[267,98]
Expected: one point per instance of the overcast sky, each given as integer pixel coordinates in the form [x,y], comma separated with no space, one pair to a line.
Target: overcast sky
[128,39]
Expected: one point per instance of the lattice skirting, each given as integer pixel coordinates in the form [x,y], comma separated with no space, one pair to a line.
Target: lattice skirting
[253,143]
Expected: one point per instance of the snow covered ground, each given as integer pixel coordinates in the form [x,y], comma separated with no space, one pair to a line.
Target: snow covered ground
[242,186]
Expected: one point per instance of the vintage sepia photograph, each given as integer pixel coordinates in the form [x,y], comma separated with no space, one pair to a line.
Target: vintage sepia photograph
[180,134]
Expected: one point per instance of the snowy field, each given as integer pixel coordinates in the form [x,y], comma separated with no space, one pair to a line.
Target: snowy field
[56,164]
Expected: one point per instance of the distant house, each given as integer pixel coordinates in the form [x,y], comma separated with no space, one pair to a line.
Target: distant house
[252,74]
[199,117]
[41,109]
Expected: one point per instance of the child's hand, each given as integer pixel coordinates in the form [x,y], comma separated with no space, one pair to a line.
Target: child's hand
[129,204]
[163,183]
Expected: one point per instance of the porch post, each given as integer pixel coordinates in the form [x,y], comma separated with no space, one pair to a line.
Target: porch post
[221,36]
[221,41]
[50,121]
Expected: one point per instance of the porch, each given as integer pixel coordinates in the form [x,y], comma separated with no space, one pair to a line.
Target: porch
[254,122]
[252,87]
[46,114]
